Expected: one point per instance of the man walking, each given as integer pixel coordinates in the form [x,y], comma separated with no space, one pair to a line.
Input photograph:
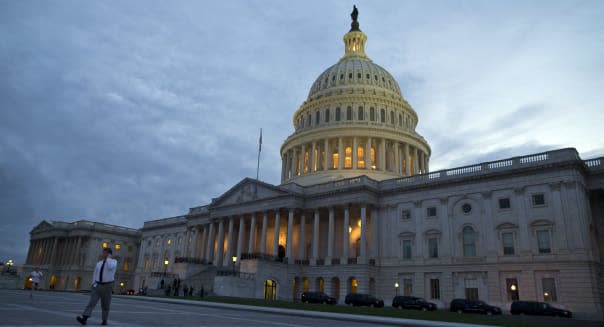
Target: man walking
[103,276]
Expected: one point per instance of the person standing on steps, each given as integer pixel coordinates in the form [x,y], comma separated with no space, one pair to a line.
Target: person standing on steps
[102,287]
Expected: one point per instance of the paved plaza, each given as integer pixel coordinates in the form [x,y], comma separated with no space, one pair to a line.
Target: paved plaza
[61,308]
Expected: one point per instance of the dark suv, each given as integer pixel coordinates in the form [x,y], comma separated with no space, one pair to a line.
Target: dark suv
[359,299]
[537,308]
[412,302]
[317,297]
[473,306]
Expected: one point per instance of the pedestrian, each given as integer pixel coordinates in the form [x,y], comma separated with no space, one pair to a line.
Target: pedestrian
[176,290]
[35,277]
[201,292]
[102,287]
[161,283]
[168,290]
[185,290]
[191,291]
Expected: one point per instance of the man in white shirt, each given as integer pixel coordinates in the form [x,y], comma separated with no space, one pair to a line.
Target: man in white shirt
[35,277]
[102,286]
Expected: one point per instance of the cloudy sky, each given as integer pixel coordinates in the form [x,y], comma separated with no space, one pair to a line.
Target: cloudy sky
[129,111]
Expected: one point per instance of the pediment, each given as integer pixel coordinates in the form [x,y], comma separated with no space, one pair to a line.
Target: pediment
[507,226]
[248,190]
[42,226]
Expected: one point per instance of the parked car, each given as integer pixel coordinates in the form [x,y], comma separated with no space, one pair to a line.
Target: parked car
[474,306]
[412,302]
[538,309]
[359,299]
[317,297]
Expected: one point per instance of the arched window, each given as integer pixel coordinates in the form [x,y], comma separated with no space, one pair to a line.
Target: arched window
[309,119]
[270,290]
[469,242]
[349,113]
[320,284]
[348,157]
[400,120]
[361,157]
[327,115]
[305,162]
[335,158]
[383,115]
[361,115]
[372,114]
[317,117]
[305,285]
[338,114]
[372,155]
[392,117]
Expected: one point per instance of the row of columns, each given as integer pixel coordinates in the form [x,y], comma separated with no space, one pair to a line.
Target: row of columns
[212,240]
[42,251]
[317,155]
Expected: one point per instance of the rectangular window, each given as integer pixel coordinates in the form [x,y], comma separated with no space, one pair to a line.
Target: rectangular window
[407,249]
[327,116]
[504,203]
[549,290]
[508,243]
[434,289]
[317,117]
[472,293]
[433,247]
[543,241]
[383,115]
[406,214]
[361,115]
[407,287]
[431,211]
[117,246]
[338,113]
[349,113]
[538,199]
[392,117]
[372,114]
[511,285]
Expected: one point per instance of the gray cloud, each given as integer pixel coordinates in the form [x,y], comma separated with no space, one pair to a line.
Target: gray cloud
[127,112]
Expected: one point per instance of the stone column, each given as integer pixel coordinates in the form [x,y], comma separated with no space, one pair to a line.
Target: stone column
[373,219]
[240,238]
[427,162]
[302,240]
[407,163]
[210,244]
[263,249]
[283,165]
[77,251]
[415,161]
[367,155]
[330,236]
[312,158]
[303,160]
[327,156]
[397,160]
[230,241]
[290,227]
[220,251]
[53,254]
[382,160]
[252,238]
[354,153]
[204,242]
[346,238]
[294,162]
[28,260]
[341,153]
[363,231]
[276,233]
[315,236]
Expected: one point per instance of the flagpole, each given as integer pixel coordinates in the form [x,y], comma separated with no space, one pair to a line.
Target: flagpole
[259,150]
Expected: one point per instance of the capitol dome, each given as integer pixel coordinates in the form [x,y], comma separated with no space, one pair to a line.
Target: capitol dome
[354,122]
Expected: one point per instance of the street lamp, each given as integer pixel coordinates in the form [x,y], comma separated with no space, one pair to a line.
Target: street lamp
[166,262]
[9,264]
[396,288]
[234,262]
[121,287]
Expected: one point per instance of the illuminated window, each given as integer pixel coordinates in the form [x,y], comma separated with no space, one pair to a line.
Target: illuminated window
[169,241]
[130,248]
[126,266]
[117,246]
[361,157]
[335,157]
[549,290]
[354,284]
[305,162]
[105,245]
[348,157]
[372,155]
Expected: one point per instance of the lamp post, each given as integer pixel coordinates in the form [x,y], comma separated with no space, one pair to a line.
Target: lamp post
[121,287]
[9,264]
[396,288]
[234,262]
[166,262]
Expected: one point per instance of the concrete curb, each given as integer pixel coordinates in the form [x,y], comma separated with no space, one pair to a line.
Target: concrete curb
[305,313]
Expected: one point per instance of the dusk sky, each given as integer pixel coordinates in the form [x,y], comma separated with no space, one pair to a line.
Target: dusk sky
[127,111]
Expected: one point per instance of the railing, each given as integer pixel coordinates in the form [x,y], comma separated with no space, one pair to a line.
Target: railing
[192,260]
[335,261]
[302,262]
[594,163]
[372,262]
[482,168]
[348,182]
[238,274]
[352,261]
[261,256]
[320,262]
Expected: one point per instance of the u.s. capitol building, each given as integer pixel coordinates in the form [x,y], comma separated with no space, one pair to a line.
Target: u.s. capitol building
[358,210]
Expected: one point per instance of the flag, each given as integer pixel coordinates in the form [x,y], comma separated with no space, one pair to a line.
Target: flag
[260,142]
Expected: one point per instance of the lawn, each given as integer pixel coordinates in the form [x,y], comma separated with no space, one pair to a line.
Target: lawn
[505,320]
